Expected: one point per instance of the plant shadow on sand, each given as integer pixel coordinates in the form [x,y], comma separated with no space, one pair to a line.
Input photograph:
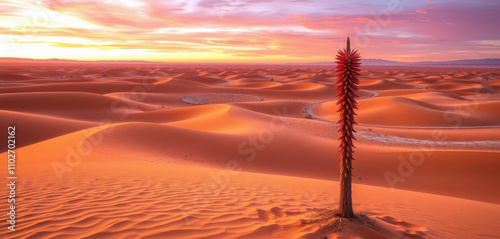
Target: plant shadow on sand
[332,225]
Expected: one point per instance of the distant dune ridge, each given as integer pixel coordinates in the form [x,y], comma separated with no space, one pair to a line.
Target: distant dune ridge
[111,151]
[382,62]
[365,62]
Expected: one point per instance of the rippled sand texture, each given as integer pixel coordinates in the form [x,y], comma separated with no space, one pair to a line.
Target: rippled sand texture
[112,151]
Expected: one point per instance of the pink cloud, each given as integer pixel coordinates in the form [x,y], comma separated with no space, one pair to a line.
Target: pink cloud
[258,27]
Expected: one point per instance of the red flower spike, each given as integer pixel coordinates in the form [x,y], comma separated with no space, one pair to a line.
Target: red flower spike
[348,71]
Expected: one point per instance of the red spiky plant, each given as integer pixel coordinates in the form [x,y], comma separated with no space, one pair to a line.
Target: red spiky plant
[348,64]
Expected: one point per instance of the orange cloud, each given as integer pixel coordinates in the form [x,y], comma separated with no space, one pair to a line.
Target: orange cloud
[244,30]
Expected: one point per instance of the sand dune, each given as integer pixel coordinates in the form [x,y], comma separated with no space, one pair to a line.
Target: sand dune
[36,128]
[167,202]
[218,120]
[115,151]
[437,97]
[72,105]
[261,84]
[177,114]
[387,84]
[202,79]
[218,98]
[405,111]
[298,86]
[311,157]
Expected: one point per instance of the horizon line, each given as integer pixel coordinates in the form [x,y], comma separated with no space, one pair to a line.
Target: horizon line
[13,59]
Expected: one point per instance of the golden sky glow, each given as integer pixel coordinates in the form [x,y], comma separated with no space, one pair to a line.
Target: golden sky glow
[248,30]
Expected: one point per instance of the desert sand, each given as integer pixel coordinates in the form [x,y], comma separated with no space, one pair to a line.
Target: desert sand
[159,151]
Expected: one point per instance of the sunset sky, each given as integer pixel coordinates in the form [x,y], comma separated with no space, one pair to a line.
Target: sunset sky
[256,31]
